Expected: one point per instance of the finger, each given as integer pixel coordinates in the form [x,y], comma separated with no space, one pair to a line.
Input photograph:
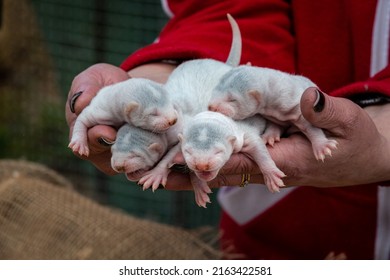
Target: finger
[81,96]
[102,162]
[178,159]
[91,80]
[100,138]
[337,115]
[178,181]
[239,163]
[108,73]
[292,155]
[235,180]
[72,101]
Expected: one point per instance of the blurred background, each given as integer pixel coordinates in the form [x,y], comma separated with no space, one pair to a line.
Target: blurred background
[44,44]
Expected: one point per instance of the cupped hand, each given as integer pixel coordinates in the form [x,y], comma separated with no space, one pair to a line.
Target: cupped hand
[86,85]
[362,155]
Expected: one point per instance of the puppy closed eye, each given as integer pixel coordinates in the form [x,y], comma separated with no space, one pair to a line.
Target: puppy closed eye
[135,157]
[154,113]
[231,98]
[219,151]
[188,152]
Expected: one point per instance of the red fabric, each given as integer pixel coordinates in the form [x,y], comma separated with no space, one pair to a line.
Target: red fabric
[331,43]
[378,83]
[328,41]
[200,30]
[309,223]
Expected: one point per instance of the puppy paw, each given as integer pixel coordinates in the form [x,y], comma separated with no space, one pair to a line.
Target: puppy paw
[273,180]
[324,149]
[201,198]
[79,146]
[272,134]
[153,179]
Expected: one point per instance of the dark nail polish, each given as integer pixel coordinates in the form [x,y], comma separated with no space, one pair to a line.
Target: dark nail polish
[72,101]
[319,104]
[104,142]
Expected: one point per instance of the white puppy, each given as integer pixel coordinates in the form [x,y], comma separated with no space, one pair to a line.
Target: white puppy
[140,102]
[210,138]
[137,150]
[247,90]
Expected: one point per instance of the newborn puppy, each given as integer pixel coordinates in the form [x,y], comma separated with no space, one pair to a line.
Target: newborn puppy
[210,138]
[247,90]
[190,86]
[140,102]
[137,150]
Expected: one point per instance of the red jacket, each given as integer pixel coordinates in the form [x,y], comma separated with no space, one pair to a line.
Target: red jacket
[329,42]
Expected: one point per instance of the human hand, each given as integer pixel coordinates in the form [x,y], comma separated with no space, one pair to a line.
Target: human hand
[362,155]
[89,82]
[84,87]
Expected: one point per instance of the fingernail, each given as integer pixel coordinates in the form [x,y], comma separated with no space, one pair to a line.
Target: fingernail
[72,101]
[319,104]
[104,142]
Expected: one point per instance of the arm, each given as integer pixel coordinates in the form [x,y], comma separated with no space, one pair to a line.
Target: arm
[197,30]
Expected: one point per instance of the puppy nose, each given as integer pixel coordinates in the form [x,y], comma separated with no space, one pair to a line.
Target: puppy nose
[212,108]
[202,166]
[119,168]
[172,122]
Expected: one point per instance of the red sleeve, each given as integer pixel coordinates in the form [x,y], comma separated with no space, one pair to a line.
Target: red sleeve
[200,29]
[380,83]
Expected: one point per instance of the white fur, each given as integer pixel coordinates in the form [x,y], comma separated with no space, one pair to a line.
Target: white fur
[190,87]
[140,102]
[247,90]
[137,150]
[210,138]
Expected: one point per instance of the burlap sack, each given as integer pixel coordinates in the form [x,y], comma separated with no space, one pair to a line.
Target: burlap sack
[40,220]
[21,168]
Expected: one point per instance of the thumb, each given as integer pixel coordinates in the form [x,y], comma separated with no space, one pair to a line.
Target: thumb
[334,114]
[100,138]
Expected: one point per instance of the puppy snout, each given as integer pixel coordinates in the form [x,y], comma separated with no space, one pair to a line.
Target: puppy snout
[212,108]
[172,121]
[202,166]
[119,168]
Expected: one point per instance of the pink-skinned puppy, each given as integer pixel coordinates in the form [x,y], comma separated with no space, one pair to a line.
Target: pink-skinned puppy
[248,90]
[190,86]
[140,102]
[210,138]
[137,150]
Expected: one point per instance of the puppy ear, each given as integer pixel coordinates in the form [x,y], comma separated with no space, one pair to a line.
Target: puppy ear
[250,141]
[156,147]
[232,141]
[130,107]
[255,95]
[180,137]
